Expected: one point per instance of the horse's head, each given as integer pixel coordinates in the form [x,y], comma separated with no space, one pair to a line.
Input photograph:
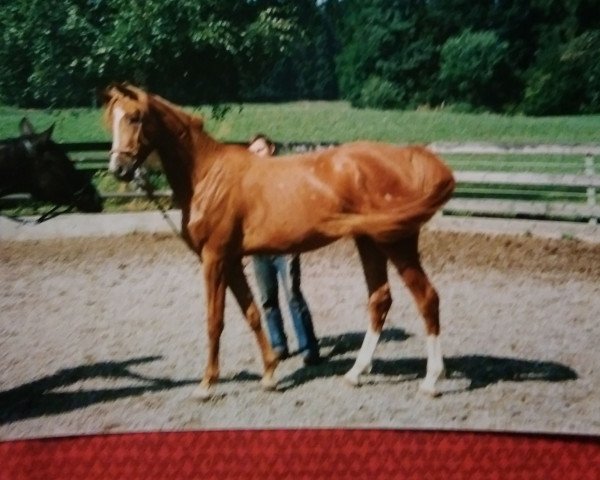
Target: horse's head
[126,110]
[53,177]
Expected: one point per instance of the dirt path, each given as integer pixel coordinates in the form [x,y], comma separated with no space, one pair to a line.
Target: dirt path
[103,335]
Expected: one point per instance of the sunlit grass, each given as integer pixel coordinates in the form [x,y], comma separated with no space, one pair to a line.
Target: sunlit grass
[333,121]
[338,122]
[535,163]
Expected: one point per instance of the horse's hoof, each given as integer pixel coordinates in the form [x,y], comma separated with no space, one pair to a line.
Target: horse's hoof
[429,389]
[269,383]
[352,379]
[201,392]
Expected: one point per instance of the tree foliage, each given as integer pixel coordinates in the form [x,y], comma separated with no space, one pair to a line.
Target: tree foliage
[566,79]
[56,53]
[505,55]
[470,66]
[306,69]
[533,56]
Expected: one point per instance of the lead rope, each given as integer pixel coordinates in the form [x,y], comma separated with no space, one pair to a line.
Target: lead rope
[52,213]
[141,181]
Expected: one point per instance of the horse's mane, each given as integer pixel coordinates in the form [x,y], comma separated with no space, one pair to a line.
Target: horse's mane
[144,99]
[194,120]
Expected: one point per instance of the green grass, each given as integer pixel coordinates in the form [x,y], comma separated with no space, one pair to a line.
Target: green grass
[71,125]
[333,121]
[338,122]
[511,192]
[535,163]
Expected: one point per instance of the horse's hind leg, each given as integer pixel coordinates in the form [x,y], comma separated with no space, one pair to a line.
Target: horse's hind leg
[404,254]
[240,289]
[374,264]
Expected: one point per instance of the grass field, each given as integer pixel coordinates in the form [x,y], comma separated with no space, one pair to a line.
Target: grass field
[338,122]
[334,121]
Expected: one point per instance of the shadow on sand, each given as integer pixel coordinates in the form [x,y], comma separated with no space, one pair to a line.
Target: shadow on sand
[479,370]
[44,396]
[50,395]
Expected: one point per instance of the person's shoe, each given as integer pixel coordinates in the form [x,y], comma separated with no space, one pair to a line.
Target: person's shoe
[281,353]
[311,357]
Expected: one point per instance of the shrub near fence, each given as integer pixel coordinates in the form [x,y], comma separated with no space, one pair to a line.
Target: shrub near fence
[557,182]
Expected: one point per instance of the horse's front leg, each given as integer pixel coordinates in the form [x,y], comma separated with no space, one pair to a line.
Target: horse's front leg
[240,289]
[215,285]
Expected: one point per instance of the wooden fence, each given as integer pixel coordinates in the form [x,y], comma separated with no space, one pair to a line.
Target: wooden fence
[512,181]
[570,193]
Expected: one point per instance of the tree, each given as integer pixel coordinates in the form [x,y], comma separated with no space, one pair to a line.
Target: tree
[470,66]
[306,69]
[566,79]
[45,53]
[56,53]
[389,40]
[508,55]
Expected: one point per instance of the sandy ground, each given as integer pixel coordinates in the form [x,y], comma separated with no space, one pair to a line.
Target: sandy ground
[107,335]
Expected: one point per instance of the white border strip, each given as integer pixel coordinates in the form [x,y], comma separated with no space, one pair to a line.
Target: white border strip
[537,228]
[114,224]
[88,225]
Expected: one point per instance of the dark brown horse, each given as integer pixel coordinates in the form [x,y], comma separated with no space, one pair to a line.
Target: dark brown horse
[235,203]
[34,164]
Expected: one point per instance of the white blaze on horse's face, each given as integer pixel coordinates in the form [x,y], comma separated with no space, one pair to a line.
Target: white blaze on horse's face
[127,152]
[117,115]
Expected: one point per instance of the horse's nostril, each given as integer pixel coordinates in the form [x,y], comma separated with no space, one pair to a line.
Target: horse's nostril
[123,174]
[120,172]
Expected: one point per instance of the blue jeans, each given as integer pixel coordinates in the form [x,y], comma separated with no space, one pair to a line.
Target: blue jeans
[285,268]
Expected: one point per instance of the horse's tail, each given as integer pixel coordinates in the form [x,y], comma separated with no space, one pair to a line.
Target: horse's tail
[392,224]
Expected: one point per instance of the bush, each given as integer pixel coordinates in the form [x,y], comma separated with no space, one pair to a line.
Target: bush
[470,68]
[565,78]
[379,93]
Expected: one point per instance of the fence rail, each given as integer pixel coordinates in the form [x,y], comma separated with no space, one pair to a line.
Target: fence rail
[526,176]
[502,183]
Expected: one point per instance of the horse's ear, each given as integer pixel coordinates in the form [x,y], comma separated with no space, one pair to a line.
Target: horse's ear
[104,95]
[47,134]
[25,127]
[127,90]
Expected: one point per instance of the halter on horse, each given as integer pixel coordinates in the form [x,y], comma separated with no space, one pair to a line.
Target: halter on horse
[235,203]
[34,164]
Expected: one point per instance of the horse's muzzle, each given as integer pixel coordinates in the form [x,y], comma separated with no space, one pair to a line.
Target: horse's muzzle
[122,165]
[123,173]
[89,201]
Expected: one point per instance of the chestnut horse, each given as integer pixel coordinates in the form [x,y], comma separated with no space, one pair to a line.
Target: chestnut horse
[235,203]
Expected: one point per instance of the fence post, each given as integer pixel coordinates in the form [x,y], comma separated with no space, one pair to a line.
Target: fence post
[591,191]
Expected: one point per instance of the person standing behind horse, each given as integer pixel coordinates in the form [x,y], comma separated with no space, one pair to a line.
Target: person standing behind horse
[274,270]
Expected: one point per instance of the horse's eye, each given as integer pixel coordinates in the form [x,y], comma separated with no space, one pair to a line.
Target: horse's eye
[135,118]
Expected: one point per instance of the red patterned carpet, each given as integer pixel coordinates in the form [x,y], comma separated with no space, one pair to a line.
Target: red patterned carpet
[262,454]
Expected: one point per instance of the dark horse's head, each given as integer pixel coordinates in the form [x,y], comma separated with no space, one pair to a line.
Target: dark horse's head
[35,164]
